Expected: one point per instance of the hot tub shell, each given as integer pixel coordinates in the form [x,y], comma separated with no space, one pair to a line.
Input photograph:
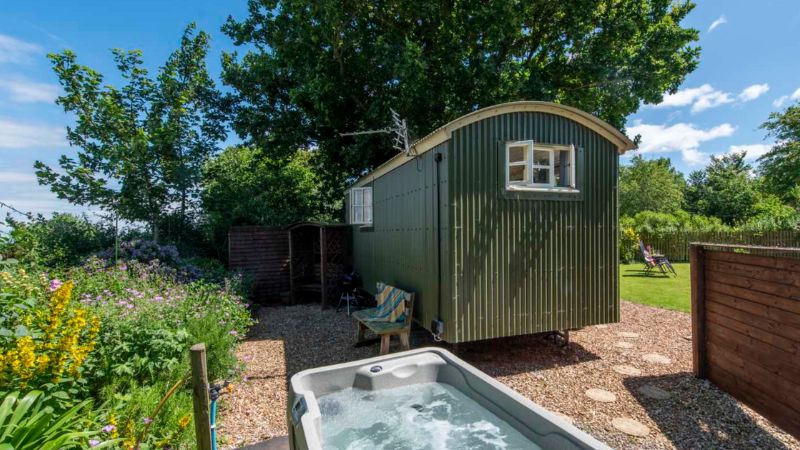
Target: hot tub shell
[425,365]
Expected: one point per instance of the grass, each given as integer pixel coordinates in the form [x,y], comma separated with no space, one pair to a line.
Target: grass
[656,289]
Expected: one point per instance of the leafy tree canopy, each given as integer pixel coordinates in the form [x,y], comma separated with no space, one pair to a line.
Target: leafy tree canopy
[650,185]
[314,70]
[780,167]
[724,189]
[243,187]
[140,146]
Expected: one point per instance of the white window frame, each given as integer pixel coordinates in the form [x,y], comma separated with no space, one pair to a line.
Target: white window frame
[528,183]
[362,216]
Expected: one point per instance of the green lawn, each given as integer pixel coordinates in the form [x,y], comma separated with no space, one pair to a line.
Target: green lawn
[657,290]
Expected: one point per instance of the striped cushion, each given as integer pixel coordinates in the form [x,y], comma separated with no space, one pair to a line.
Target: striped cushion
[391,306]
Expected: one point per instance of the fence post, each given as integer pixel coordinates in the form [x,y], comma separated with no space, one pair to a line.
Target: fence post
[697,263]
[200,397]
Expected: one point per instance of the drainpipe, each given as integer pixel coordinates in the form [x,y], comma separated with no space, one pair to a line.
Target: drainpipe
[437,327]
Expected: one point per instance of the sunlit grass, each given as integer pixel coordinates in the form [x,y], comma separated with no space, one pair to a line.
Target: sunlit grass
[664,291]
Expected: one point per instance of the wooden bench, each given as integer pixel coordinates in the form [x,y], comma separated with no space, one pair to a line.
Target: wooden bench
[387,329]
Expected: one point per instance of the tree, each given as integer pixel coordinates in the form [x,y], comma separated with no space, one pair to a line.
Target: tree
[650,185]
[243,187]
[780,167]
[141,146]
[314,70]
[771,214]
[724,189]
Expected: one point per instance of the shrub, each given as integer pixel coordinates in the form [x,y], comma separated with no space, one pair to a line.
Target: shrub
[44,337]
[628,244]
[29,423]
[60,241]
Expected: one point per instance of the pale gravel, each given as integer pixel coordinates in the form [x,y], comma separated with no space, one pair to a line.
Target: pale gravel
[697,414]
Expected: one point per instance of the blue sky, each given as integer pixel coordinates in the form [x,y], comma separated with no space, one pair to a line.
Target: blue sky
[749,68]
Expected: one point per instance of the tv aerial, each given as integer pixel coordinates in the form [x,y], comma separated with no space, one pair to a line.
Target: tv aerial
[398,130]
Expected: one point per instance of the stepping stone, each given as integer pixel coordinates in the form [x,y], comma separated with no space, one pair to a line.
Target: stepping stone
[623,344]
[628,334]
[650,391]
[564,417]
[630,426]
[602,325]
[627,370]
[655,358]
[601,395]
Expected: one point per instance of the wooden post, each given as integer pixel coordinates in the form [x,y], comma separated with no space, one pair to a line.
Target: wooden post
[200,396]
[699,357]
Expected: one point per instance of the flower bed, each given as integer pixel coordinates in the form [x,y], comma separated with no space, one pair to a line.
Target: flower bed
[118,336]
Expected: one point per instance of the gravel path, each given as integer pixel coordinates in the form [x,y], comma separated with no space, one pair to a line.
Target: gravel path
[657,346]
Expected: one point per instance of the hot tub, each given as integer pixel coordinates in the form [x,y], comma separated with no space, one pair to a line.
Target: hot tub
[419,399]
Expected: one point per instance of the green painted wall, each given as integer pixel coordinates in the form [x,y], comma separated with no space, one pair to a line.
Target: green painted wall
[537,262]
[400,248]
[511,263]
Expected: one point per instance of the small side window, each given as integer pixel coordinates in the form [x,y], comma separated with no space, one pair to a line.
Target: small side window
[361,205]
[534,166]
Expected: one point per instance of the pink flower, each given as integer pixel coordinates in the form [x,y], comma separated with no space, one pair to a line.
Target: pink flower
[93,442]
[55,284]
[233,333]
[109,428]
[146,420]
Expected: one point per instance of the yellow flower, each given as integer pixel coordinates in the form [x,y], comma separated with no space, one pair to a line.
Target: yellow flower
[184,421]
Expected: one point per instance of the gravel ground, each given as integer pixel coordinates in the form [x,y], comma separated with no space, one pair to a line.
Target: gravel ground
[696,415]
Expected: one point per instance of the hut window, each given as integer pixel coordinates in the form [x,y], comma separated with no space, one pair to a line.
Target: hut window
[533,166]
[361,205]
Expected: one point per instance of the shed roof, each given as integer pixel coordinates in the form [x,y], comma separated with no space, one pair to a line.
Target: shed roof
[445,132]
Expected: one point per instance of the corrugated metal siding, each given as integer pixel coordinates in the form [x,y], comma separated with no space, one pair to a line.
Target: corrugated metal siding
[401,246]
[522,266]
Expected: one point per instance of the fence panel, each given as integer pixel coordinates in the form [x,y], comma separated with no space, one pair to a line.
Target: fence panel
[675,246]
[746,326]
[262,254]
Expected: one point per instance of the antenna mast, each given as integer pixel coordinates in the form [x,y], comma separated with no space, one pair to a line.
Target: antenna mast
[398,130]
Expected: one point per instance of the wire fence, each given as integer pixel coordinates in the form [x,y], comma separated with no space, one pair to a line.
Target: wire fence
[675,246]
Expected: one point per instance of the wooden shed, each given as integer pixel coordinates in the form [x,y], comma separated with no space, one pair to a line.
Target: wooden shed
[504,222]
[319,253]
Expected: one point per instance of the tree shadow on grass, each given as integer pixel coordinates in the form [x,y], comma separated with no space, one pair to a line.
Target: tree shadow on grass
[699,415]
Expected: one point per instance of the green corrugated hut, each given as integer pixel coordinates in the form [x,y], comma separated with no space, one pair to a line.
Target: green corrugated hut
[504,222]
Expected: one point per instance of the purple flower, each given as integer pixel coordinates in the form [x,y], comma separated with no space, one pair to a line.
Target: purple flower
[93,442]
[233,333]
[54,284]
[109,428]
[146,420]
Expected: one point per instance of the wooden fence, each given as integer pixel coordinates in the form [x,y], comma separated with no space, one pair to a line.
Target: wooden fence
[746,327]
[263,255]
[675,246]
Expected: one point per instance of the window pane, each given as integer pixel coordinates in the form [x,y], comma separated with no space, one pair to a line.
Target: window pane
[517,153]
[541,176]
[358,197]
[367,214]
[541,157]
[359,214]
[517,173]
[367,196]
[563,166]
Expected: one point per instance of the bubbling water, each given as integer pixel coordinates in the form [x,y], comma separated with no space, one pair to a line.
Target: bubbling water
[428,416]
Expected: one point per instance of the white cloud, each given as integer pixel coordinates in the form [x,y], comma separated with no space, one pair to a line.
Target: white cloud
[17,177]
[680,137]
[752,92]
[754,151]
[24,91]
[780,101]
[711,100]
[701,98]
[13,50]
[694,157]
[720,20]
[14,134]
